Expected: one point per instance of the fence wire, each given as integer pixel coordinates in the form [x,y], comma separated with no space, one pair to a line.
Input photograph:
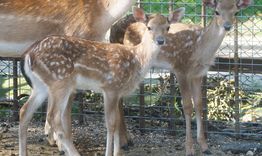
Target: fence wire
[232,89]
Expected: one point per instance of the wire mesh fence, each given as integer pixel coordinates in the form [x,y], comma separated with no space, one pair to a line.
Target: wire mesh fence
[232,91]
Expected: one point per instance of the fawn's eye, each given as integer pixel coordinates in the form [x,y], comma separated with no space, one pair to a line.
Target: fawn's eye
[217,13]
[149,28]
[236,13]
[167,28]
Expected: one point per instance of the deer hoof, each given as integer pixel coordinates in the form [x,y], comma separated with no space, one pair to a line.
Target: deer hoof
[125,147]
[130,143]
[53,145]
[207,152]
[61,152]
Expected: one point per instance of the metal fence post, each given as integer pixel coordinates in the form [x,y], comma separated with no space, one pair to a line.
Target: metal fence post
[80,98]
[204,81]
[141,94]
[141,107]
[236,78]
[170,6]
[171,124]
[15,91]
[138,2]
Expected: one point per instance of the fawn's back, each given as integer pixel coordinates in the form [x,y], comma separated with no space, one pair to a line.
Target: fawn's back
[68,57]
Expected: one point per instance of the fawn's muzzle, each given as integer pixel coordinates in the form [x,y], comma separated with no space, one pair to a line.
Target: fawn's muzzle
[227,26]
[160,40]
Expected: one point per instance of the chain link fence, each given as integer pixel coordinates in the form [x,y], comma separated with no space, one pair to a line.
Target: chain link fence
[232,90]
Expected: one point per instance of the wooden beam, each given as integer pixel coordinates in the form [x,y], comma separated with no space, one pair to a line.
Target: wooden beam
[246,65]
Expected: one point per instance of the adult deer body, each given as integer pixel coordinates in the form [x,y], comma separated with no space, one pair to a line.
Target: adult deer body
[189,52]
[57,66]
[24,21]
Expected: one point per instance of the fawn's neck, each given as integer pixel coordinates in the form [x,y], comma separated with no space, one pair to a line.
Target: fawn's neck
[210,39]
[213,36]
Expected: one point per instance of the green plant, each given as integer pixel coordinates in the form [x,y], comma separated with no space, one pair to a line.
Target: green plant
[222,100]
[252,111]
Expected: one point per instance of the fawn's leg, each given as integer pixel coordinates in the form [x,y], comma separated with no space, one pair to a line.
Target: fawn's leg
[68,118]
[112,118]
[36,99]
[124,139]
[185,87]
[197,98]
[68,124]
[60,98]
[49,132]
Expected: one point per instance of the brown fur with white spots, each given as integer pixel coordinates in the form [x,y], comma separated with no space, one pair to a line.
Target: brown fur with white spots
[189,53]
[57,66]
[22,22]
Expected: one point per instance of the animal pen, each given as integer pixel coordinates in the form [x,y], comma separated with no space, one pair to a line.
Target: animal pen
[232,90]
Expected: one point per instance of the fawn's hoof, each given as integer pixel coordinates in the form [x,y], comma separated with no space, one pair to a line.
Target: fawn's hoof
[61,152]
[52,145]
[130,143]
[51,142]
[125,147]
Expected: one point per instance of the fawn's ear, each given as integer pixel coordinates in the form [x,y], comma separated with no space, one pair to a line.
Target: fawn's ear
[177,15]
[241,4]
[139,14]
[210,3]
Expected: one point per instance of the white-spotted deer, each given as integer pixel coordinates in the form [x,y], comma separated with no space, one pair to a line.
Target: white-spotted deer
[189,52]
[22,22]
[58,65]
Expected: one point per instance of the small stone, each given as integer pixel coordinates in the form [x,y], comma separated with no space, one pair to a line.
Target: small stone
[250,153]
[4,130]
[229,152]
[4,125]
[8,145]
[178,147]
[40,140]
[41,148]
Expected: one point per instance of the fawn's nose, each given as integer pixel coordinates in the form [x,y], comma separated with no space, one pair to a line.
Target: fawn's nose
[160,40]
[227,26]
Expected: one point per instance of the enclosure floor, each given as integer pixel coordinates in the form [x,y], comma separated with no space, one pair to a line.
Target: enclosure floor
[90,141]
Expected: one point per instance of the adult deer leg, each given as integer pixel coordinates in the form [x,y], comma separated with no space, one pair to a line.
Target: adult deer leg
[112,118]
[185,87]
[197,98]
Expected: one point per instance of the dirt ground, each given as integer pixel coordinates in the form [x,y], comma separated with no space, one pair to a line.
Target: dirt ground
[91,137]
